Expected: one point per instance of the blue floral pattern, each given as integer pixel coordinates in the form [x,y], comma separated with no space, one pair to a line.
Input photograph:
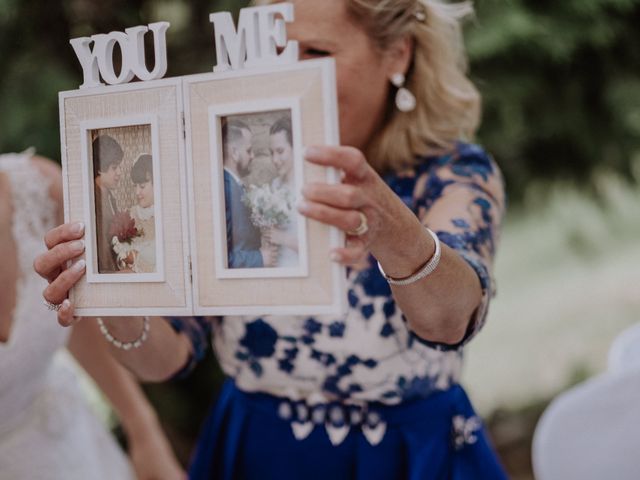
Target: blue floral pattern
[371,355]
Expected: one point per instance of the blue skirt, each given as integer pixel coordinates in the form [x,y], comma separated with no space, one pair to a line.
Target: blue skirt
[439,437]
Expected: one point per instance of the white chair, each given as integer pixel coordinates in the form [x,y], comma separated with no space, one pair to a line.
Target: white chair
[624,354]
[592,431]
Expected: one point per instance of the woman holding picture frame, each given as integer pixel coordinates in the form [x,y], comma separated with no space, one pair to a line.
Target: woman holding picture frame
[375,394]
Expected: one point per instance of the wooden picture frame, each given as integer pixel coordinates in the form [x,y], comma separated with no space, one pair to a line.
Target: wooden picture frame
[181,121]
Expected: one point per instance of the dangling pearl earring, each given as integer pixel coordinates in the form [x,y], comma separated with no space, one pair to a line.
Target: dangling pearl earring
[405,100]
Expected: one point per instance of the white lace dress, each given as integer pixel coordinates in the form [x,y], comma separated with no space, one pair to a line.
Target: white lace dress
[47,431]
[287,256]
[145,245]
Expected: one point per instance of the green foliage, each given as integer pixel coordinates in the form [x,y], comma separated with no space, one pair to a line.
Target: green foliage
[559,79]
[37,61]
[560,85]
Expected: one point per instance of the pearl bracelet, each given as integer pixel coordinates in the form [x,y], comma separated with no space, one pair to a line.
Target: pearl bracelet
[125,345]
[424,271]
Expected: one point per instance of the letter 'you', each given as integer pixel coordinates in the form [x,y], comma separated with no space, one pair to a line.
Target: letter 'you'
[97,62]
[261,32]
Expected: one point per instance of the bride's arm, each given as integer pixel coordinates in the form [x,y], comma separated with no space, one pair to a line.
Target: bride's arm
[163,354]
[151,453]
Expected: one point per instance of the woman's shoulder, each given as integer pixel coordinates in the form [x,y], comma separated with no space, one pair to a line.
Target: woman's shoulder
[52,172]
[466,162]
[466,165]
[35,176]
[464,159]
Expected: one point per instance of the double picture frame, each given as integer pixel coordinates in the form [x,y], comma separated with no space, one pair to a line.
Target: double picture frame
[188,190]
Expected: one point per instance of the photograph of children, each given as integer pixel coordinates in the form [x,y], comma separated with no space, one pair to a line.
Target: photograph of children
[125,223]
[260,191]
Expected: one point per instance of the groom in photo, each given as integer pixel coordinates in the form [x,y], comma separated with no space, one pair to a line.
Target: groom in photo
[245,245]
[107,162]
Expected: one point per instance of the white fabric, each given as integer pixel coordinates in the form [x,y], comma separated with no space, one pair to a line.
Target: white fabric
[145,245]
[592,432]
[288,257]
[46,429]
[624,354]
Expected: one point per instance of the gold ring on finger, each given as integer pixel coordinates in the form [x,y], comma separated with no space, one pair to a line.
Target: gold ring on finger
[362,228]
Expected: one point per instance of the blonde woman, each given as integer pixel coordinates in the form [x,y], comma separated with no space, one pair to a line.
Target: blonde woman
[373,395]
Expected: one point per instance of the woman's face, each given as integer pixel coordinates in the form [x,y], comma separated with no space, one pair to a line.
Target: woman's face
[324,28]
[144,193]
[281,153]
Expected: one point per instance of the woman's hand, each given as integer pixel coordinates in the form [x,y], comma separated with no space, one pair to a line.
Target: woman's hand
[64,243]
[362,192]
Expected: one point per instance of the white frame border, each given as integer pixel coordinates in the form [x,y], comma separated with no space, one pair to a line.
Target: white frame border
[216,113]
[87,191]
[177,85]
[339,305]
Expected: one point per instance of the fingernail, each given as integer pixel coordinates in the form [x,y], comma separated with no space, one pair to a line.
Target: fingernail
[79,265]
[335,257]
[77,228]
[311,152]
[65,304]
[77,245]
[303,206]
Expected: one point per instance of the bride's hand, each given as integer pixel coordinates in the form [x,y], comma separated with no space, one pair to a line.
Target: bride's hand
[64,243]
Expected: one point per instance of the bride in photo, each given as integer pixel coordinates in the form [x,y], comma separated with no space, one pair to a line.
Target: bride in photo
[281,147]
[138,254]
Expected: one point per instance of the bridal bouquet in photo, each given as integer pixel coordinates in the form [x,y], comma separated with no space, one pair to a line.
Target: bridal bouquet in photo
[270,206]
[123,232]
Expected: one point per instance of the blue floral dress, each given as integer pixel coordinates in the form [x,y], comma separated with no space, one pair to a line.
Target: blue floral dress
[360,396]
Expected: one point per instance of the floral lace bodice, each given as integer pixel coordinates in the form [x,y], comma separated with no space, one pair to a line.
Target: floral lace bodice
[370,354]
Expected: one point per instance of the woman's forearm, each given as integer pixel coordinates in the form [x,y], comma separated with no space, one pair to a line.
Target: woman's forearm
[161,355]
[117,383]
[440,306]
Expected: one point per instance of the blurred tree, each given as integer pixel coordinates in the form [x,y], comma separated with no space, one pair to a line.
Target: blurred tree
[559,79]
[37,61]
[561,86]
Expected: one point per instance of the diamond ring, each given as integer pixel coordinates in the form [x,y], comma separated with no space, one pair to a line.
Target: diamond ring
[54,307]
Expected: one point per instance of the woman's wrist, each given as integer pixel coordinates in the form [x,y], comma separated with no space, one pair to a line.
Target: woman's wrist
[404,248]
[141,426]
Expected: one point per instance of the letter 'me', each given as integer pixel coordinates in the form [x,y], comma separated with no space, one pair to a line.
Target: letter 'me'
[256,41]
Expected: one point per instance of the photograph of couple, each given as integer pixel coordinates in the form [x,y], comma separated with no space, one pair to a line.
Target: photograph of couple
[125,222]
[259,191]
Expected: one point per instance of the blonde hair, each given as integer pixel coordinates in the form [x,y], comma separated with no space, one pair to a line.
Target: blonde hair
[448,104]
